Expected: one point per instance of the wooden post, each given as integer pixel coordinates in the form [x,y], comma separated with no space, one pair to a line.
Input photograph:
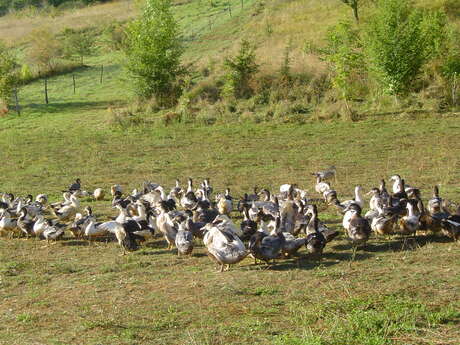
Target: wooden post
[102,72]
[46,90]
[73,78]
[17,102]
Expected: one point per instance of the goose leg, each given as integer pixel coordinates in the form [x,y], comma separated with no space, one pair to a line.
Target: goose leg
[353,255]
[228,267]
[221,268]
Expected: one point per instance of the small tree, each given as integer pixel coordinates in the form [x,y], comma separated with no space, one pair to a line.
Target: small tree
[45,49]
[354,4]
[240,71]
[344,53]
[153,52]
[77,44]
[399,41]
[9,78]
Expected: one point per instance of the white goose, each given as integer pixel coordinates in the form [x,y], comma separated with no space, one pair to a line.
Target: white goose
[358,200]
[410,223]
[224,247]
[225,205]
[321,186]
[69,211]
[40,225]
[7,224]
[98,194]
[166,226]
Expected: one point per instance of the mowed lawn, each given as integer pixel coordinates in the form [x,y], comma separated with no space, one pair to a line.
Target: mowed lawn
[75,293]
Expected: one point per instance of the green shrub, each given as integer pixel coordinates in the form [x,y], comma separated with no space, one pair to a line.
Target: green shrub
[154,51]
[399,40]
[114,36]
[344,54]
[45,49]
[77,44]
[8,74]
[240,71]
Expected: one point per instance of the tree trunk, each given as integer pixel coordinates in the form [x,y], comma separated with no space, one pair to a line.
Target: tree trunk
[355,12]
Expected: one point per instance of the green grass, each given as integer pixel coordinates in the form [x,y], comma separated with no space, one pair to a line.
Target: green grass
[74,293]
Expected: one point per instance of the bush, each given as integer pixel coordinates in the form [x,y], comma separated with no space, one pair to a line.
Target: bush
[343,53]
[114,36]
[399,41]
[153,53]
[45,49]
[77,44]
[240,71]
[8,75]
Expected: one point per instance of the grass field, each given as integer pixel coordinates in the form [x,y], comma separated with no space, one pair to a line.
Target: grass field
[72,293]
[75,293]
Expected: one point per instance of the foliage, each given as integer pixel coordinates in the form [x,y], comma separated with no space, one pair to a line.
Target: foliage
[8,74]
[399,40]
[12,5]
[154,51]
[44,49]
[343,52]
[114,36]
[77,44]
[240,71]
[285,69]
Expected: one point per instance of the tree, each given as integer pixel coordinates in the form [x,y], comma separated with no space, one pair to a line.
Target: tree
[77,44]
[8,74]
[344,54]
[354,6]
[44,49]
[153,52]
[240,70]
[399,40]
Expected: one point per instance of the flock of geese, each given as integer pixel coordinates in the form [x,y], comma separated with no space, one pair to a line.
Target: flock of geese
[274,225]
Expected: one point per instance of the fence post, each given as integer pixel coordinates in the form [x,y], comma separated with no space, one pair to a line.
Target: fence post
[46,90]
[102,72]
[73,79]
[17,102]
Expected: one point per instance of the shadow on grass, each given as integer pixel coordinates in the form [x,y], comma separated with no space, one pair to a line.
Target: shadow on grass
[309,262]
[84,242]
[161,244]
[394,244]
[67,106]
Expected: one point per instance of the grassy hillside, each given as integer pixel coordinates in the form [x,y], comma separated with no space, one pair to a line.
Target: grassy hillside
[75,293]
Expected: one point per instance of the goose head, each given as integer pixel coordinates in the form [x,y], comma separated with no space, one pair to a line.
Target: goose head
[266,193]
[374,192]
[395,178]
[354,208]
